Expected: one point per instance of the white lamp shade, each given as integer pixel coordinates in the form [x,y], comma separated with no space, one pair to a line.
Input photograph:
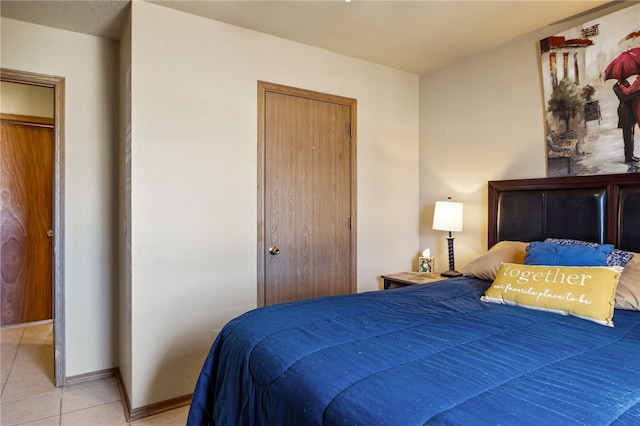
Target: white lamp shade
[447,216]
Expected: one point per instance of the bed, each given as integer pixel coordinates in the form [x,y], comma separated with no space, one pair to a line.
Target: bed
[443,353]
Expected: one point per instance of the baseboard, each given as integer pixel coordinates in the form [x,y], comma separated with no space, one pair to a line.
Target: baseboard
[94,375]
[151,409]
[129,413]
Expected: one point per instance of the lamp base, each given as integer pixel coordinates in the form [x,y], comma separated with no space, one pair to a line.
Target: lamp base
[451,274]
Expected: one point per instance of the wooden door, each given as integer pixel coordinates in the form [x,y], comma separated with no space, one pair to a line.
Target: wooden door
[309,196]
[26,187]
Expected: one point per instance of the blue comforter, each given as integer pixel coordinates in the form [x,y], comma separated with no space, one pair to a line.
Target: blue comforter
[427,354]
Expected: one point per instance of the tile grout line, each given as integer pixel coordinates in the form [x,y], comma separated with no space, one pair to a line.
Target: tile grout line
[23,341]
[13,359]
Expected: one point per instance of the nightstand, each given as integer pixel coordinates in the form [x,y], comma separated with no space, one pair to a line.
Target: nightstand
[403,279]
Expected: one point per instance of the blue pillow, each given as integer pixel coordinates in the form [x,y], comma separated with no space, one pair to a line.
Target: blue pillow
[543,253]
[617,257]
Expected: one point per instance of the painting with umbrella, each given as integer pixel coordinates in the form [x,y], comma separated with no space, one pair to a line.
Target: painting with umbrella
[592,95]
[624,66]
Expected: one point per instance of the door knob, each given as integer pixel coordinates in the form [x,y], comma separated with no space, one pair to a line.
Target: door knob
[50,233]
[274,250]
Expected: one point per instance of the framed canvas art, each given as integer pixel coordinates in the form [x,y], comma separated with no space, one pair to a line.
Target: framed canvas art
[592,97]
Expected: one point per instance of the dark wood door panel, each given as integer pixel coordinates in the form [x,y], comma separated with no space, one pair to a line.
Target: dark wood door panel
[26,216]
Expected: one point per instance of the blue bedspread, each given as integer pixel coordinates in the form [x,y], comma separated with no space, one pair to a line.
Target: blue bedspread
[427,354]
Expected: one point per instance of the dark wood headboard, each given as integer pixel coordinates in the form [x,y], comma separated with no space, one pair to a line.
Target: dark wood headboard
[601,208]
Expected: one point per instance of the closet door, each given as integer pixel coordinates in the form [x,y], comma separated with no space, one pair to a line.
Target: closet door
[308,197]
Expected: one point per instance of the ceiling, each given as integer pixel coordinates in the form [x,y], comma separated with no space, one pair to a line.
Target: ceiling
[415,36]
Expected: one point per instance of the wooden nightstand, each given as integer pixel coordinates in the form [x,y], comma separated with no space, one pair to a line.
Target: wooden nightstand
[403,279]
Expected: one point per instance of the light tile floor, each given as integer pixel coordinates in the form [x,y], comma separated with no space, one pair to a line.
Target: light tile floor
[29,396]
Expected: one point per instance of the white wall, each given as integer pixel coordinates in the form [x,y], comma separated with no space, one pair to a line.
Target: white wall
[194,183]
[481,119]
[88,65]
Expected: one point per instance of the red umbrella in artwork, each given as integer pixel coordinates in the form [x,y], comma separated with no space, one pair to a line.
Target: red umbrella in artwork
[624,65]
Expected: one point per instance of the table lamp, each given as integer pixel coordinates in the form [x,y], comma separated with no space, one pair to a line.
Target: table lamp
[447,216]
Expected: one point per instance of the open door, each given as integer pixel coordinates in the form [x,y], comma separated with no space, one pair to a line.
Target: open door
[56,236]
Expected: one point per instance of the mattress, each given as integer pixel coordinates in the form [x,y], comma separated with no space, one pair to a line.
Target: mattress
[424,354]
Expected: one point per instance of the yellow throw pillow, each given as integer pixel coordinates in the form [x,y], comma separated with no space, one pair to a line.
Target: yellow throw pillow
[584,291]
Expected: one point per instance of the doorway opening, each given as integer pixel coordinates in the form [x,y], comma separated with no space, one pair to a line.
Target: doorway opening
[57,84]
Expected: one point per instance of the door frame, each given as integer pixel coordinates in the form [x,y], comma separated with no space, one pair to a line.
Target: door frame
[58,86]
[263,88]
